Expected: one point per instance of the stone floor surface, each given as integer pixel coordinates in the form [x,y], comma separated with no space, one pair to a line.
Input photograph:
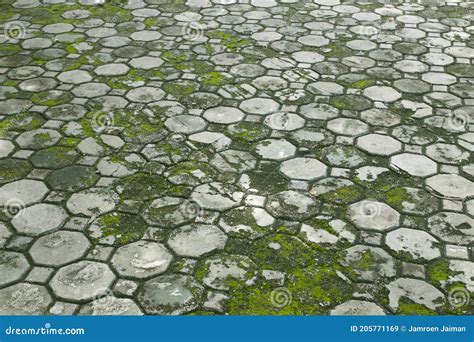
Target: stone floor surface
[236,157]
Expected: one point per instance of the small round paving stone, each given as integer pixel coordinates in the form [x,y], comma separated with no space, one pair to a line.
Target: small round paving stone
[303,168]
[141,259]
[13,266]
[196,240]
[82,280]
[223,115]
[171,294]
[59,248]
[39,219]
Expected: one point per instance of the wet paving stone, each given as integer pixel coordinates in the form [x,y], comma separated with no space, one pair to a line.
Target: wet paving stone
[168,158]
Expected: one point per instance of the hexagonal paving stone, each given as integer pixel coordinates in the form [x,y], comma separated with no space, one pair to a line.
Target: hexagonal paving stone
[82,280]
[292,205]
[275,149]
[450,185]
[75,77]
[185,124]
[384,94]
[169,212]
[146,62]
[303,168]
[418,291]
[373,215]
[23,192]
[260,106]
[111,306]
[92,202]
[417,243]
[59,248]
[196,240]
[452,227]
[24,299]
[446,153]
[223,115]
[39,219]
[222,269]
[347,126]
[233,161]
[284,121]
[38,139]
[369,263]
[217,196]
[414,164]
[357,308]
[378,144]
[13,266]
[141,259]
[170,295]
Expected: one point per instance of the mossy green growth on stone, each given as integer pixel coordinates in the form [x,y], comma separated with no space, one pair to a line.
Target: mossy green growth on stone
[310,287]
[179,89]
[12,169]
[51,98]
[345,194]
[229,40]
[408,307]
[214,78]
[439,272]
[248,131]
[142,186]
[124,228]
[20,122]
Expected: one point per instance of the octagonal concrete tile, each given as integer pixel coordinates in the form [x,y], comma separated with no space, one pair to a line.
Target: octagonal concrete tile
[141,259]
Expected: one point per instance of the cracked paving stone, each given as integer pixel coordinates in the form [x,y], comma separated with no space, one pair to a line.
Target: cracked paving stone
[92,202]
[452,227]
